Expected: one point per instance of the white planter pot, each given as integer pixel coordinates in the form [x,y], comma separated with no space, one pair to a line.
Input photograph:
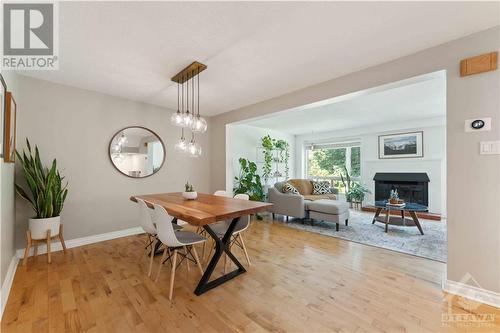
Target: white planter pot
[38,227]
[190,195]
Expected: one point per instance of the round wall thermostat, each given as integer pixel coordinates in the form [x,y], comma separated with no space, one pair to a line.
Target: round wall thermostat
[477,124]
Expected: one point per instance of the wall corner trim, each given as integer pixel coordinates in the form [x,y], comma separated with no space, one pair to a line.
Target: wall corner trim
[7,283]
[474,293]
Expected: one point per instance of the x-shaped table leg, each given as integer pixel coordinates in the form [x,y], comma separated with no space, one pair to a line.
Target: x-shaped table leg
[221,246]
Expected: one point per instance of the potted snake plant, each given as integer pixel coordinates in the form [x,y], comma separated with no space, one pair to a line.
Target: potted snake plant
[46,193]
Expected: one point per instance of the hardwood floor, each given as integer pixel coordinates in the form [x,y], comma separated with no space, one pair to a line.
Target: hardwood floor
[298,282]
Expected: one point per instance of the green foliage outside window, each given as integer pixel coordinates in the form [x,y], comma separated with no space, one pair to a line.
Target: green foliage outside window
[356,161]
[332,162]
[326,162]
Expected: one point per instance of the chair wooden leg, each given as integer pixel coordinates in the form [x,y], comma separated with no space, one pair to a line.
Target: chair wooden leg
[187,260]
[244,248]
[161,263]
[152,257]
[203,250]
[28,246]
[61,238]
[197,259]
[49,259]
[172,275]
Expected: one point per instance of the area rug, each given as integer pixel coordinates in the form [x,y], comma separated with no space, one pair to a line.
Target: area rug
[431,245]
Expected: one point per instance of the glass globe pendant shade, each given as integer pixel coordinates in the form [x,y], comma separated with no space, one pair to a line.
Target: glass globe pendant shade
[117,148]
[187,119]
[177,119]
[199,125]
[123,139]
[181,145]
[118,158]
[194,149]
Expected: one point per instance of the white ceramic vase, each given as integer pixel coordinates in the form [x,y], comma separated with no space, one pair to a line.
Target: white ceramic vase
[190,195]
[38,227]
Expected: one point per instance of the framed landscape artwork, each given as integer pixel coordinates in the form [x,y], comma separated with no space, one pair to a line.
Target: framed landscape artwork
[401,145]
[10,129]
[3,93]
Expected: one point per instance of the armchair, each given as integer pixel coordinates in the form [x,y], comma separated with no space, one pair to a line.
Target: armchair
[286,204]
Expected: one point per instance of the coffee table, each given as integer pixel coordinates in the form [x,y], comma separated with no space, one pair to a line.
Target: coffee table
[411,208]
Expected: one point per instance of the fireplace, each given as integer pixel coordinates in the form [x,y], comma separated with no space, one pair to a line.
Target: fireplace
[411,187]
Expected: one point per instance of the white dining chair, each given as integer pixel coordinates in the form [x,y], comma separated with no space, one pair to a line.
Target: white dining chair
[220,229]
[174,241]
[149,228]
[200,230]
[147,223]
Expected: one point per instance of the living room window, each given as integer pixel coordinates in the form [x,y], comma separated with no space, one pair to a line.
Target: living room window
[327,161]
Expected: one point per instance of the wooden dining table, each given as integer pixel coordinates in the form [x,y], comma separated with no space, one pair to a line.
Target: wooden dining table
[202,212]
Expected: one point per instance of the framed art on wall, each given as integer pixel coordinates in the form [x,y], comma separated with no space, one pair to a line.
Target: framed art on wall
[3,104]
[10,129]
[401,145]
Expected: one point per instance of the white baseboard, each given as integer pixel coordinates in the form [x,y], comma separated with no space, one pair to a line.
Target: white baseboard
[474,293]
[7,283]
[56,246]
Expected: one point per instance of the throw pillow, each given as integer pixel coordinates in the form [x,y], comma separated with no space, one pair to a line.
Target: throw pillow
[322,187]
[288,188]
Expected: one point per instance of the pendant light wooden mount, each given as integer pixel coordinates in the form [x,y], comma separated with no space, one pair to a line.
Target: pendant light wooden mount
[189,72]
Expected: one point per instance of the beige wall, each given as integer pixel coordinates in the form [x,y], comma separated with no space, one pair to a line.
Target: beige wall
[473,179]
[75,126]
[7,197]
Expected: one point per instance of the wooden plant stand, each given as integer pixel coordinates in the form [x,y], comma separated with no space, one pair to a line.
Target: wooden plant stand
[48,240]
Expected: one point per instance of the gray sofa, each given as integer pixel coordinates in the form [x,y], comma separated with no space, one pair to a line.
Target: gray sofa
[296,205]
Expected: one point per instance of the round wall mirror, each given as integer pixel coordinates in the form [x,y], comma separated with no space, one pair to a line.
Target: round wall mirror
[137,152]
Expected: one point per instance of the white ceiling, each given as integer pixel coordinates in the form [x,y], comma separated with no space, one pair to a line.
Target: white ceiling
[254,50]
[416,98]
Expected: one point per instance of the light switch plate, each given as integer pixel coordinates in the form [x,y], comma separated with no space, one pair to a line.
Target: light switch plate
[489,148]
[486,127]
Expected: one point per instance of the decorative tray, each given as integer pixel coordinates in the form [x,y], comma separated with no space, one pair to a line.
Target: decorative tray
[396,205]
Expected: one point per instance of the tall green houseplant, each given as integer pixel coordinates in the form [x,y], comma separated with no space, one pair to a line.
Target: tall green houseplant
[45,186]
[268,144]
[284,153]
[248,181]
[354,191]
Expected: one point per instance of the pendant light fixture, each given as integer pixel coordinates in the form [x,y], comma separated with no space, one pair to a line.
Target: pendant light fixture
[199,123]
[184,117]
[193,147]
[187,119]
[176,118]
[181,145]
